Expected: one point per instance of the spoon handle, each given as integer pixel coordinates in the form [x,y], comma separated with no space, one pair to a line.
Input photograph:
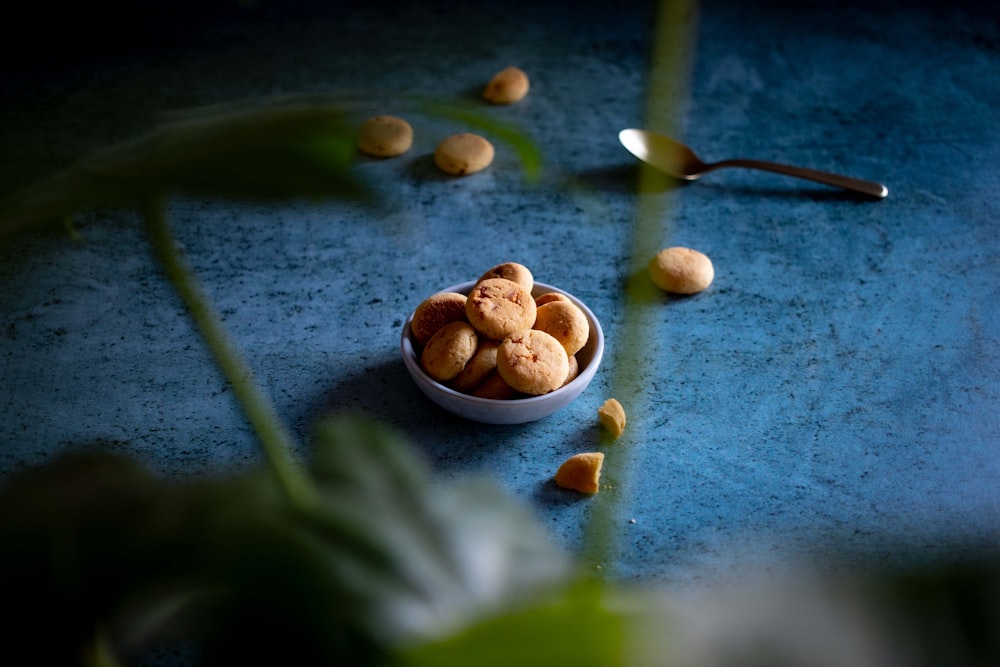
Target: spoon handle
[856,184]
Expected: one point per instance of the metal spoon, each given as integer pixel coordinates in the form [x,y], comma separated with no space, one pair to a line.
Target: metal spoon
[680,161]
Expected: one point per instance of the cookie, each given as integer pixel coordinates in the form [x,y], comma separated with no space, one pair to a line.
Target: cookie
[385,136]
[532,362]
[434,312]
[681,270]
[574,369]
[543,299]
[581,472]
[482,363]
[494,387]
[512,271]
[507,86]
[566,322]
[449,350]
[497,307]
[612,417]
[463,154]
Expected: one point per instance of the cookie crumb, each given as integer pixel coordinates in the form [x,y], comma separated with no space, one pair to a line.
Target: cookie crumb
[612,417]
[581,472]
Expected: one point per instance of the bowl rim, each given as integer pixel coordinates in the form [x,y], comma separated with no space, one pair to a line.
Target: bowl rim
[585,375]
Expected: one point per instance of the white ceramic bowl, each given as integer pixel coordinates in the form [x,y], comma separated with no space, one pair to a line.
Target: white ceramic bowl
[515,410]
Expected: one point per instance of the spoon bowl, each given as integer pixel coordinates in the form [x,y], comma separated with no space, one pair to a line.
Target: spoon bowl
[674,158]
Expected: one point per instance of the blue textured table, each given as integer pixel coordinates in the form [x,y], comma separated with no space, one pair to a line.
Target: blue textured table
[836,388]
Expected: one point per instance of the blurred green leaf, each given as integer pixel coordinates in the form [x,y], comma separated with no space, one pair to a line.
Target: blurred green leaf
[438,555]
[572,626]
[296,147]
[78,537]
[94,545]
[257,152]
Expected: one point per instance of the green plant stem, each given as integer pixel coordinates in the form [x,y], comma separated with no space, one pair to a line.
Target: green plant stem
[274,438]
[666,89]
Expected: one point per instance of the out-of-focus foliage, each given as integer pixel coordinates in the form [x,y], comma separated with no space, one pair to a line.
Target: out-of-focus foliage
[395,568]
[93,545]
[264,151]
[281,149]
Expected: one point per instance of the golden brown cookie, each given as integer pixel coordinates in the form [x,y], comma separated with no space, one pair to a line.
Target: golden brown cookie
[566,322]
[574,369]
[463,154]
[385,136]
[543,299]
[482,363]
[449,350]
[434,312]
[581,472]
[512,271]
[532,362]
[681,270]
[612,417]
[497,307]
[507,86]
[494,387]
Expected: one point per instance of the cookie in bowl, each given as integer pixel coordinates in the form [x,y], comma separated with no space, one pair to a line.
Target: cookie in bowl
[518,370]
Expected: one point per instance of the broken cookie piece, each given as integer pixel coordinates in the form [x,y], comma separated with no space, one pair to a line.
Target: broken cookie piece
[612,417]
[581,472]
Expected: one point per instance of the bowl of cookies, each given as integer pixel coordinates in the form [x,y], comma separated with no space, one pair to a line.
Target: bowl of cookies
[502,349]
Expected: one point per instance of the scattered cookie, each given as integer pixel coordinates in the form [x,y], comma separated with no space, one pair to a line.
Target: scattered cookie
[681,270]
[463,154]
[532,362]
[434,312]
[581,472]
[612,417]
[449,350]
[497,307]
[564,321]
[507,86]
[512,271]
[385,136]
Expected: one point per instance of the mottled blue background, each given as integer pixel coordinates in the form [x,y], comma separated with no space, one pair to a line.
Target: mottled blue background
[834,392]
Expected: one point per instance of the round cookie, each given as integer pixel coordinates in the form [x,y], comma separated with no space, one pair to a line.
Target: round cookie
[463,154]
[543,299]
[494,387]
[434,312]
[513,271]
[565,322]
[482,363]
[449,350]
[497,307]
[507,86]
[574,370]
[681,270]
[385,136]
[532,362]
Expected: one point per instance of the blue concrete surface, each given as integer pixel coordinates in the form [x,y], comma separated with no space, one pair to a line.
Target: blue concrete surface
[835,389]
